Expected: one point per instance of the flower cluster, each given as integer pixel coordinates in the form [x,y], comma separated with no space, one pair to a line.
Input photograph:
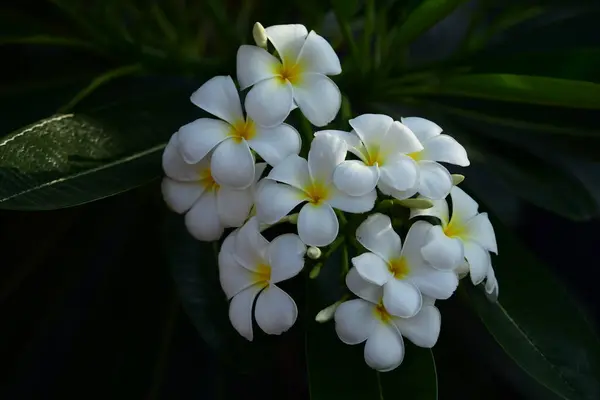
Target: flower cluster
[335,194]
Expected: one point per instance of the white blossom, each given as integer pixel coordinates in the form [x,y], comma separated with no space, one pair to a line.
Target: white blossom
[250,266]
[297,77]
[466,234]
[232,136]
[296,180]
[400,270]
[367,319]
[191,189]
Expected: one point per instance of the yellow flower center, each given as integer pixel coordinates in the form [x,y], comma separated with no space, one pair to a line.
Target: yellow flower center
[243,130]
[399,268]
[262,273]
[454,229]
[417,155]
[374,155]
[317,193]
[207,181]
[289,72]
[381,313]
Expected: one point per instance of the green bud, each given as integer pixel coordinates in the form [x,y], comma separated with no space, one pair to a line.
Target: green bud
[418,203]
[315,271]
[457,178]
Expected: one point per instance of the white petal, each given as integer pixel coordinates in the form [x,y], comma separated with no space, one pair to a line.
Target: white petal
[233,277]
[293,170]
[352,204]
[325,154]
[422,128]
[435,182]
[479,261]
[287,40]
[174,165]
[254,65]
[400,139]
[202,221]
[317,225]
[275,311]
[275,144]
[397,194]
[399,172]
[318,97]
[377,235]
[180,196]
[491,284]
[435,283]
[355,321]
[220,97]
[480,229]
[232,164]
[199,137]
[423,329]
[439,210]
[445,148]
[275,200]
[384,349]
[317,55]
[351,138]
[441,251]
[251,247]
[401,298]
[363,289]
[372,268]
[240,310]
[355,178]
[269,102]
[371,129]
[234,206]
[416,238]
[463,206]
[286,257]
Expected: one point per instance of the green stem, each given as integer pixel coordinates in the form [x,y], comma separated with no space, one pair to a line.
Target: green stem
[345,263]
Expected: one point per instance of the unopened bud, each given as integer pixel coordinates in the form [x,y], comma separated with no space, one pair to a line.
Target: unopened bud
[419,203]
[314,253]
[457,178]
[260,35]
[315,271]
[327,313]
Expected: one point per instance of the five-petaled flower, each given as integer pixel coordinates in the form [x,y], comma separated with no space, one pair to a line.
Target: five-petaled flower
[250,266]
[296,180]
[299,77]
[232,137]
[401,270]
[368,319]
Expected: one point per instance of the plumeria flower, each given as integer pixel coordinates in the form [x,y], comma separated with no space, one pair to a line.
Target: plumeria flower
[434,181]
[467,234]
[400,270]
[367,319]
[311,182]
[298,77]
[209,207]
[381,144]
[250,266]
[232,136]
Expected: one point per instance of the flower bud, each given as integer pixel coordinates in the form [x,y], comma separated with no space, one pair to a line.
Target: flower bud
[327,313]
[457,178]
[420,203]
[315,271]
[314,253]
[260,35]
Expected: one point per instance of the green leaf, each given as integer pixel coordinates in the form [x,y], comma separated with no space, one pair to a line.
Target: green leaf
[426,15]
[71,159]
[337,370]
[346,8]
[538,324]
[521,89]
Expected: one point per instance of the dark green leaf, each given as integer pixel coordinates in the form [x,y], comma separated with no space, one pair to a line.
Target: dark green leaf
[346,8]
[537,323]
[521,89]
[426,15]
[72,159]
[337,370]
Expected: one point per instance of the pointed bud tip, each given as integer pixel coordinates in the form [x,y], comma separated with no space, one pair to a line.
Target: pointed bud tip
[457,178]
[327,313]
[260,35]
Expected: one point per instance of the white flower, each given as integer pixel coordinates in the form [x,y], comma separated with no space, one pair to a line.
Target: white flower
[300,77]
[401,270]
[310,181]
[491,284]
[368,319]
[434,181]
[381,144]
[467,234]
[249,265]
[209,207]
[232,136]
